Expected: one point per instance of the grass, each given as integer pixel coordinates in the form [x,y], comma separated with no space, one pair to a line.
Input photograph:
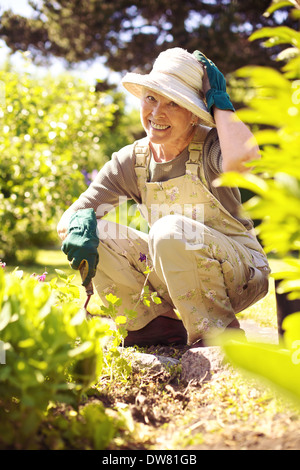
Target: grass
[46,260]
[264,311]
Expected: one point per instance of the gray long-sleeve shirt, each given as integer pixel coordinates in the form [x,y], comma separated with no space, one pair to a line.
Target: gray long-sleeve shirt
[117,178]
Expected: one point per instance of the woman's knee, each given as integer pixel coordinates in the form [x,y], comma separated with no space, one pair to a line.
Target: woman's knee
[177,231]
[165,229]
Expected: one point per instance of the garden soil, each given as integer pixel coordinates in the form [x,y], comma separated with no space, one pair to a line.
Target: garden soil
[226,412]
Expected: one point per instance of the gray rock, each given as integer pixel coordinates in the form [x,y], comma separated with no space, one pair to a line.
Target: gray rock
[150,362]
[198,364]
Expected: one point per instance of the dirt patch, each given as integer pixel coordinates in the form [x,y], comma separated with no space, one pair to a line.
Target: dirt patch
[226,412]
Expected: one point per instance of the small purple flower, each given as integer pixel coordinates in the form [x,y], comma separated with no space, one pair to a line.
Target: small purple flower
[89,177]
[86,177]
[42,277]
[2,264]
[93,175]
[142,257]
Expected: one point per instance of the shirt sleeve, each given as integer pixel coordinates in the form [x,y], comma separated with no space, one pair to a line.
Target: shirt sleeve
[212,151]
[115,183]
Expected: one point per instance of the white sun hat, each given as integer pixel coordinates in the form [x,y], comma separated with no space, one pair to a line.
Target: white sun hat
[177,75]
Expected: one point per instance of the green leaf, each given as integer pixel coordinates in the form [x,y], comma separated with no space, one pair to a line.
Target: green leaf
[61,274]
[155,298]
[26,343]
[291,327]
[5,315]
[276,5]
[79,317]
[248,181]
[123,331]
[130,314]
[278,35]
[86,346]
[148,270]
[120,320]
[114,300]
[268,363]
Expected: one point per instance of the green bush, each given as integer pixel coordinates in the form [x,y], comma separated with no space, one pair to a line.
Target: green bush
[89,428]
[50,353]
[273,106]
[52,129]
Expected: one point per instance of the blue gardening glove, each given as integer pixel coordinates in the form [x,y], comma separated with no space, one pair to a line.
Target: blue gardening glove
[81,243]
[217,94]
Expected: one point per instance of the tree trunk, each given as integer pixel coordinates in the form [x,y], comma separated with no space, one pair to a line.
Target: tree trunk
[285,307]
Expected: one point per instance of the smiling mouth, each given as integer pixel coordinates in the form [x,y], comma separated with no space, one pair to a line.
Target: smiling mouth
[158,126]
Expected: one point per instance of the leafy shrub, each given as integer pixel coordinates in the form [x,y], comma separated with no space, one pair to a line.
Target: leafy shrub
[51,355]
[273,101]
[52,130]
[92,427]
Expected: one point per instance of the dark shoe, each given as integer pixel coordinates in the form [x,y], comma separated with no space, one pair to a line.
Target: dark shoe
[161,330]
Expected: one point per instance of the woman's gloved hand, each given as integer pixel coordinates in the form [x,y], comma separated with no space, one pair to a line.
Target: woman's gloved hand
[217,94]
[82,242]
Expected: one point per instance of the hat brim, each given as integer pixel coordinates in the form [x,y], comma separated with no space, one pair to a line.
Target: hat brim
[165,85]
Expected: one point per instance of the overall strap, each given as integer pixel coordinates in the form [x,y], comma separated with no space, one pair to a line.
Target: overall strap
[142,153]
[194,165]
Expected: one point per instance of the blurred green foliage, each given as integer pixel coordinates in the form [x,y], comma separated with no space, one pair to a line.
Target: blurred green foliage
[278,366]
[49,352]
[273,107]
[51,358]
[52,129]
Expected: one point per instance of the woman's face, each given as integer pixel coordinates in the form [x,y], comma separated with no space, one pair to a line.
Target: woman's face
[164,121]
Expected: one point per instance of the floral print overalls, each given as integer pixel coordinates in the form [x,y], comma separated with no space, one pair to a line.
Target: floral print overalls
[206,264]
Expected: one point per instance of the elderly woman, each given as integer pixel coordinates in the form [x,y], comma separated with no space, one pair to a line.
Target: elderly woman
[206,263]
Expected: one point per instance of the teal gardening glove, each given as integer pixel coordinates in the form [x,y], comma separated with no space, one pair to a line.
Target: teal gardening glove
[217,94]
[82,242]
